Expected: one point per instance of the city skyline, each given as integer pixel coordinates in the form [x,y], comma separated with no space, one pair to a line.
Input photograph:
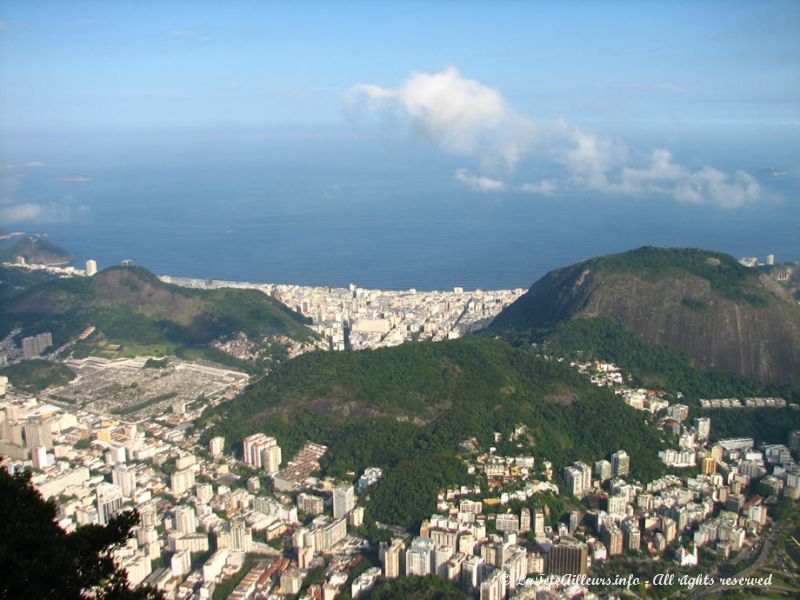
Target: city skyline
[339,300]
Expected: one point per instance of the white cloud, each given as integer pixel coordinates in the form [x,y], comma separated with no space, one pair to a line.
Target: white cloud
[468,118]
[34,164]
[479,182]
[30,212]
[545,187]
[74,178]
[601,164]
[590,158]
[462,115]
[728,190]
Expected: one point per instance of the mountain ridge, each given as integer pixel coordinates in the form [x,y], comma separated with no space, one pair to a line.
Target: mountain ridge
[35,250]
[129,305]
[703,304]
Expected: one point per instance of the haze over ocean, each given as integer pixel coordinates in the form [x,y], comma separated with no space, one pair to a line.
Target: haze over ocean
[411,145]
[380,216]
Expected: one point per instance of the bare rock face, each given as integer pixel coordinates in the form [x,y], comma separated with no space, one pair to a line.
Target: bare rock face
[722,315]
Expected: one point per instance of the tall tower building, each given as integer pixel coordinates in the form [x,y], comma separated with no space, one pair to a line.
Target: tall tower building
[181,481]
[216,445]
[569,556]
[525,520]
[538,522]
[344,500]
[603,470]
[185,519]
[578,478]
[38,432]
[109,501]
[125,478]
[418,561]
[393,558]
[620,463]
[613,539]
[91,267]
[703,427]
[632,536]
[262,451]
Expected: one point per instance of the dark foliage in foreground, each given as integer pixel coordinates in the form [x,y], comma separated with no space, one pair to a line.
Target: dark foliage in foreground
[41,561]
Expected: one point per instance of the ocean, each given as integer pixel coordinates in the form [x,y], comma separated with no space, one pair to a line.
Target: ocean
[317,209]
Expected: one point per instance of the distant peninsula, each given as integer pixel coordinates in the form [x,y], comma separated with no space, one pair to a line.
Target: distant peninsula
[35,250]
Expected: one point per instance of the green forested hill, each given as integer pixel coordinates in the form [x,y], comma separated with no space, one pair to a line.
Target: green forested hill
[35,375]
[705,305]
[410,406]
[131,306]
[657,367]
[653,366]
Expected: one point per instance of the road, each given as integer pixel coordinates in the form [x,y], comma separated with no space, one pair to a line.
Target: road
[766,547]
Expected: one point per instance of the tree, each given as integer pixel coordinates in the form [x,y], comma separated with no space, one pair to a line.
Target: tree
[40,560]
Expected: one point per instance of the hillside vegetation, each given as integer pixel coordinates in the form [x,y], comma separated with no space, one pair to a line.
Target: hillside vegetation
[704,305]
[653,366]
[657,367]
[36,375]
[411,406]
[132,307]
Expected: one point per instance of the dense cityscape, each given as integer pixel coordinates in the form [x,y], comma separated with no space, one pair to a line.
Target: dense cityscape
[399,300]
[251,523]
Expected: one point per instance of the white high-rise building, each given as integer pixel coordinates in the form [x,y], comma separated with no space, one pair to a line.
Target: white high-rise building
[578,478]
[620,463]
[204,492]
[109,501]
[703,427]
[216,445]
[392,557]
[344,499]
[603,470]
[418,561]
[538,522]
[39,457]
[262,451]
[185,519]
[181,481]
[91,267]
[125,478]
[181,563]
[236,537]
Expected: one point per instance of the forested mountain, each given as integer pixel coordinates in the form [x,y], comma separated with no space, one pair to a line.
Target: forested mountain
[722,315]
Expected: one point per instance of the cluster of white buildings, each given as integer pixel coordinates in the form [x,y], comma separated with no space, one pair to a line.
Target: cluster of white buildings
[191,501]
[673,505]
[68,271]
[748,403]
[711,509]
[753,261]
[355,317]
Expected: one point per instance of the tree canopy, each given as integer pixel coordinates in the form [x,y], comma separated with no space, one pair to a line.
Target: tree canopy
[40,560]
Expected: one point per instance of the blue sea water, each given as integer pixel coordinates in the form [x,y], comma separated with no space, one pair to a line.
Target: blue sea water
[320,209]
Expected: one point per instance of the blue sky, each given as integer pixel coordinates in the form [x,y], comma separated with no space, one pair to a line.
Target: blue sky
[119,64]
[689,102]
